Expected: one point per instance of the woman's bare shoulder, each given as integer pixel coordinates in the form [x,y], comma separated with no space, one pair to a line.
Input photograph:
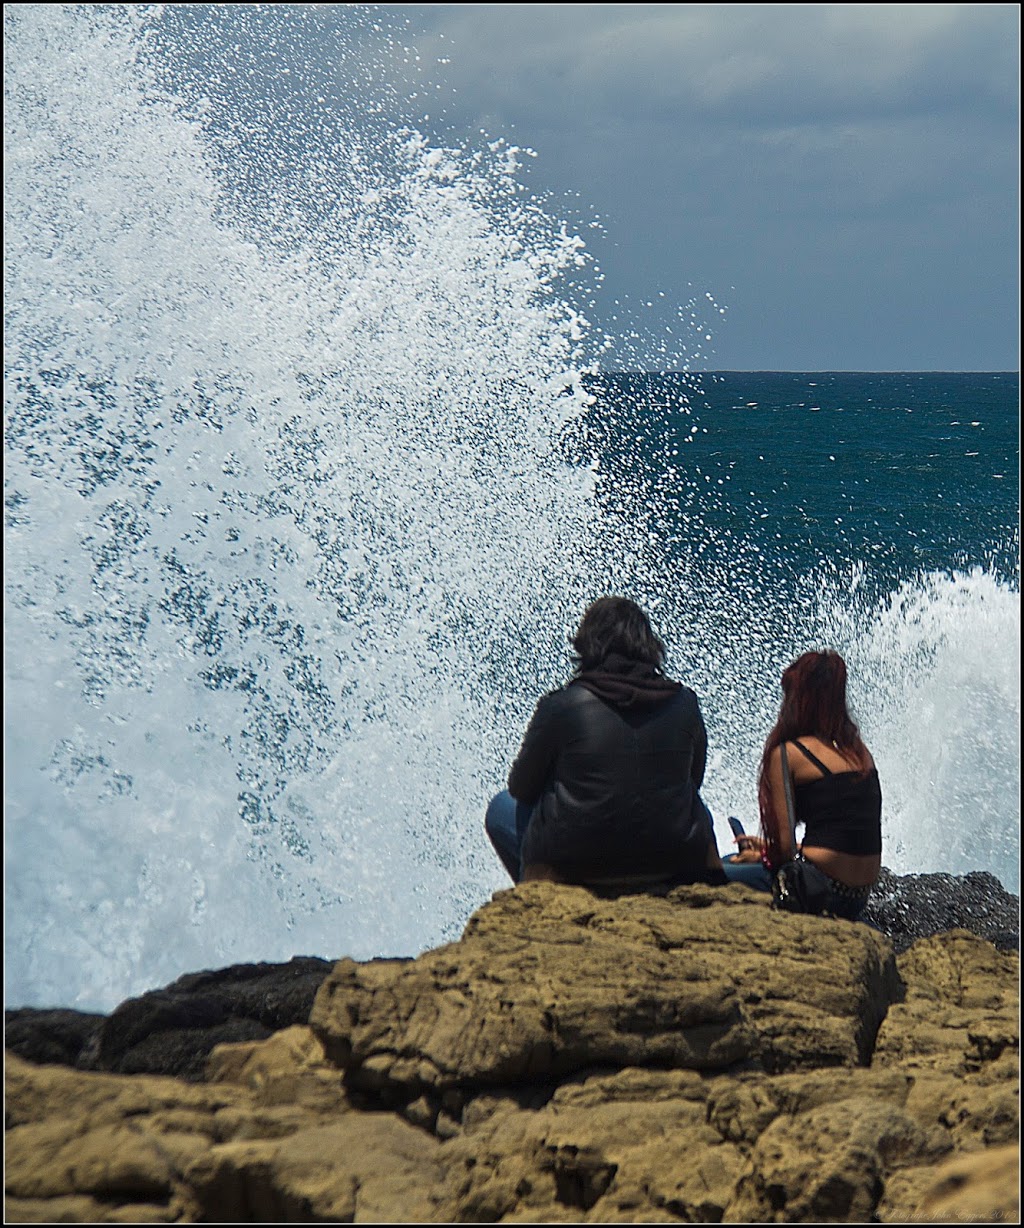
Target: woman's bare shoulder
[831,754]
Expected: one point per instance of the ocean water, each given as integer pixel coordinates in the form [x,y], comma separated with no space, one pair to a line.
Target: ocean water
[874,513]
[311,466]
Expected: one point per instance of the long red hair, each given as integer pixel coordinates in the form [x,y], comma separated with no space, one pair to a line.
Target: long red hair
[813,705]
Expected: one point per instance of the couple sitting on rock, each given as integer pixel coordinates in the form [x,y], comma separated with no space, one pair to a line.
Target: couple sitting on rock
[605,789]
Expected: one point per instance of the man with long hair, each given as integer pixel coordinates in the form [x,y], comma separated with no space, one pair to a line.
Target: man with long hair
[604,790]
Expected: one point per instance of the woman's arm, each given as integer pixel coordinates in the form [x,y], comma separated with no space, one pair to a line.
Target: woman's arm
[780,846]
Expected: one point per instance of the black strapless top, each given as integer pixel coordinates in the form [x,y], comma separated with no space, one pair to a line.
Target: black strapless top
[841,811]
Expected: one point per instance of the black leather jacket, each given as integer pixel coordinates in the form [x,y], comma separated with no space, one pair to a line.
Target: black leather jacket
[613,787]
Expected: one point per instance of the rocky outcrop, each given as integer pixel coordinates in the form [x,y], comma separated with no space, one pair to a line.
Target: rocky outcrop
[911,906]
[172,1031]
[536,990]
[692,1058]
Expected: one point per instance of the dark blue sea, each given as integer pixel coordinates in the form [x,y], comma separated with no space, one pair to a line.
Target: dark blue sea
[889,473]
[876,513]
[311,467]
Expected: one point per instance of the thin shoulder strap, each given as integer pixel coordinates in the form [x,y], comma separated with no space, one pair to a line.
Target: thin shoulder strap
[813,758]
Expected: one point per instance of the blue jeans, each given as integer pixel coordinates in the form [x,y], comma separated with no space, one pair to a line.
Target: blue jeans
[750,873]
[506,822]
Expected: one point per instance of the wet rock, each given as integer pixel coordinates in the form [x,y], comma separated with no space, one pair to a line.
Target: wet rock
[56,1036]
[172,1031]
[911,906]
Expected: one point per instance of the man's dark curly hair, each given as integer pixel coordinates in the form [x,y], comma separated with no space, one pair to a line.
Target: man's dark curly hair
[616,624]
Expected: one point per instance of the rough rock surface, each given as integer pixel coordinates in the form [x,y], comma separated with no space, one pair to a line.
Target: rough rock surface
[172,1031]
[911,906]
[692,1058]
[547,982]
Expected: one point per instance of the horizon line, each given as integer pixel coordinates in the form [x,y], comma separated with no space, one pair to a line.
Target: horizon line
[819,371]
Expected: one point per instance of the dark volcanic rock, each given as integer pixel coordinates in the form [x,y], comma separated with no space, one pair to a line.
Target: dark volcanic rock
[54,1037]
[171,1031]
[911,906]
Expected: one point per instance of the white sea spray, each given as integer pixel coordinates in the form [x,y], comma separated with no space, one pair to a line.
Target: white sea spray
[287,528]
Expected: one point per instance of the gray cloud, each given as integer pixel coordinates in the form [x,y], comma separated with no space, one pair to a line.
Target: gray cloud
[844,176]
[761,64]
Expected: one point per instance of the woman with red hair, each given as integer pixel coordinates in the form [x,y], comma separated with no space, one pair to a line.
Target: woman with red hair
[835,789]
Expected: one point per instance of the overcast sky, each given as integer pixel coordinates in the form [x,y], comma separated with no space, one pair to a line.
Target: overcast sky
[843,179]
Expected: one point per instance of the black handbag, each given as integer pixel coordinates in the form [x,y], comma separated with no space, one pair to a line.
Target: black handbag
[798,885]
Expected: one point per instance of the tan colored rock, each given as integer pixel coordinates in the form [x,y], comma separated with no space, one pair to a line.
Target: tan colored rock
[629,1146]
[961,1007]
[107,1148]
[80,1209]
[289,1068]
[647,1146]
[823,1142]
[741,1108]
[95,1147]
[572,1059]
[956,1036]
[369,1168]
[111,1162]
[38,1093]
[828,1164]
[980,1187]
[971,1111]
[959,969]
[549,979]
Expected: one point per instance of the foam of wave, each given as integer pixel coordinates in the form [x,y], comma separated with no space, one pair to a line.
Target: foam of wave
[283,520]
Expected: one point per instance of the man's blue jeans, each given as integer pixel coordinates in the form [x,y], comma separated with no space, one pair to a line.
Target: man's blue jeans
[505,823]
[507,819]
